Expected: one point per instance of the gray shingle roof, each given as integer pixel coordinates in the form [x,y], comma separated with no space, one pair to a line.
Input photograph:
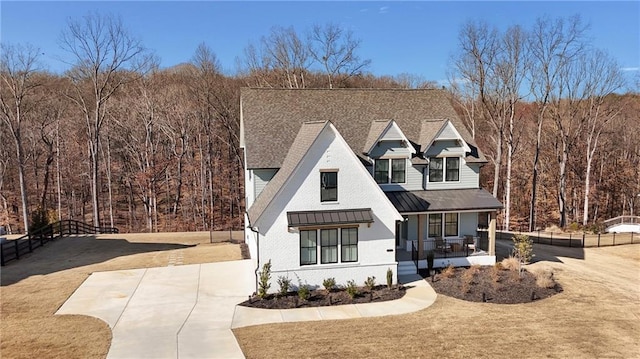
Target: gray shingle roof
[443,200]
[428,131]
[307,134]
[270,114]
[318,218]
[375,130]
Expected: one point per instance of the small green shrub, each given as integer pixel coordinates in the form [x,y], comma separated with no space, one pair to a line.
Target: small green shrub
[285,285]
[39,219]
[263,283]
[573,227]
[389,278]
[352,289]
[522,250]
[370,282]
[329,284]
[303,292]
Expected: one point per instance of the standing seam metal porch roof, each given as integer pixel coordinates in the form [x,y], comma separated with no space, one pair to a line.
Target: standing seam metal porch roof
[272,118]
[443,200]
[319,218]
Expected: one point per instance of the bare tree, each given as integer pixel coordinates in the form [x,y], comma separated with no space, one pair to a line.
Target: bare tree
[102,50]
[336,50]
[18,66]
[552,44]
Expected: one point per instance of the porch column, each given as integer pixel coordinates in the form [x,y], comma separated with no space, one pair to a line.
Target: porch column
[422,220]
[492,233]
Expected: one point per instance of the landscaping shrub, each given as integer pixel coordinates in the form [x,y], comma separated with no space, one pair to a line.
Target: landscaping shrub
[329,284]
[370,282]
[285,285]
[389,278]
[495,273]
[449,271]
[510,263]
[544,279]
[39,219]
[522,250]
[263,283]
[303,292]
[352,289]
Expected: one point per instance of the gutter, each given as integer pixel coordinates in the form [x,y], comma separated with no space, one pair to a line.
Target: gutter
[255,230]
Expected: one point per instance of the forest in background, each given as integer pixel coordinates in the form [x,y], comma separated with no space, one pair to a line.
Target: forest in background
[118,141]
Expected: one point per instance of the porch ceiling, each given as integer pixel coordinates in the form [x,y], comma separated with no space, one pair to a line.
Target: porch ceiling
[443,200]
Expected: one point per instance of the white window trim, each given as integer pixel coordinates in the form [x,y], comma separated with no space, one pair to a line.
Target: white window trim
[390,170]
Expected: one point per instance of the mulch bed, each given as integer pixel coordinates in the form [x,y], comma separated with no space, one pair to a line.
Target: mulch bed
[320,298]
[501,286]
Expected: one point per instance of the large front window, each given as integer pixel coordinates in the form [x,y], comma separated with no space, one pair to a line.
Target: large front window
[328,186]
[451,224]
[308,247]
[435,225]
[396,173]
[444,169]
[335,245]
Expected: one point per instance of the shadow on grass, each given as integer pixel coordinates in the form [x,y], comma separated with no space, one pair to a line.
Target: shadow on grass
[77,251]
[542,252]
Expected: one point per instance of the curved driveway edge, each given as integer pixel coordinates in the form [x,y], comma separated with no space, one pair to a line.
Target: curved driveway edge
[188,311]
[419,295]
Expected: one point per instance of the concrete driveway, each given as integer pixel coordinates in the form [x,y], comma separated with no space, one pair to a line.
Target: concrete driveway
[167,312]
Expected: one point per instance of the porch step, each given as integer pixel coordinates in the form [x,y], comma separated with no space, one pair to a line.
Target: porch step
[406,268]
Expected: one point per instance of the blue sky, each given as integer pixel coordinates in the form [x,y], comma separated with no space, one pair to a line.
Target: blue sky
[415,37]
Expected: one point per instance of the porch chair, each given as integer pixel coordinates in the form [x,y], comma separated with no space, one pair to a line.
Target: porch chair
[440,246]
[469,242]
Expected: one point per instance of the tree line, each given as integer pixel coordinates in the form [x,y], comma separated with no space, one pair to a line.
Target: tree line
[118,141]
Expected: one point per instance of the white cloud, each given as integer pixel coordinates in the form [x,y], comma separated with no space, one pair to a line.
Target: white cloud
[383,10]
[630,69]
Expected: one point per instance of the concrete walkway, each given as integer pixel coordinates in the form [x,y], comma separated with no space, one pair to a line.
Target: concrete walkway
[188,311]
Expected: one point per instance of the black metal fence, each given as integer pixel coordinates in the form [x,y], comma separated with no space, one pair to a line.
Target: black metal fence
[16,248]
[580,239]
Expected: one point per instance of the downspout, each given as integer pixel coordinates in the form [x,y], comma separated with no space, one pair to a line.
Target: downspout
[255,230]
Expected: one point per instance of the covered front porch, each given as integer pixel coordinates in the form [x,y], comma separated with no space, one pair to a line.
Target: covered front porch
[457,227]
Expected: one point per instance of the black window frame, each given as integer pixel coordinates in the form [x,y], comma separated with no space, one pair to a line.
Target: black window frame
[452,174]
[328,188]
[308,248]
[323,246]
[394,171]
[448,223]
[378,173]
[349,245]
[436,174]
[435,224]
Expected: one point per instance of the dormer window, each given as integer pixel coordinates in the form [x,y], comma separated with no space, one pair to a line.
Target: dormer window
[447,169]
[390,170]
[329,186]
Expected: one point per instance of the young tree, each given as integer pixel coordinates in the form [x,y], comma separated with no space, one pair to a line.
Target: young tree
[102,51]
[18,67]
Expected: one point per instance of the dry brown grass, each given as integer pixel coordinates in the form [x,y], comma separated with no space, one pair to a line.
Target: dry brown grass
[595,317]
[449,271]
[34,287]
[510,263]
[544,278]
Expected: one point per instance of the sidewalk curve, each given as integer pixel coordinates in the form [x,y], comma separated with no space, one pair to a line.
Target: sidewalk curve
[419,295]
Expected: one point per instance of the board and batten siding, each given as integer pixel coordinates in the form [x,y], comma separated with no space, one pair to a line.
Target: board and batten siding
[261,177]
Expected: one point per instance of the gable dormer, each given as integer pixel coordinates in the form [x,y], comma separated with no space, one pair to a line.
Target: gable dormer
[385,139]
[440,138]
